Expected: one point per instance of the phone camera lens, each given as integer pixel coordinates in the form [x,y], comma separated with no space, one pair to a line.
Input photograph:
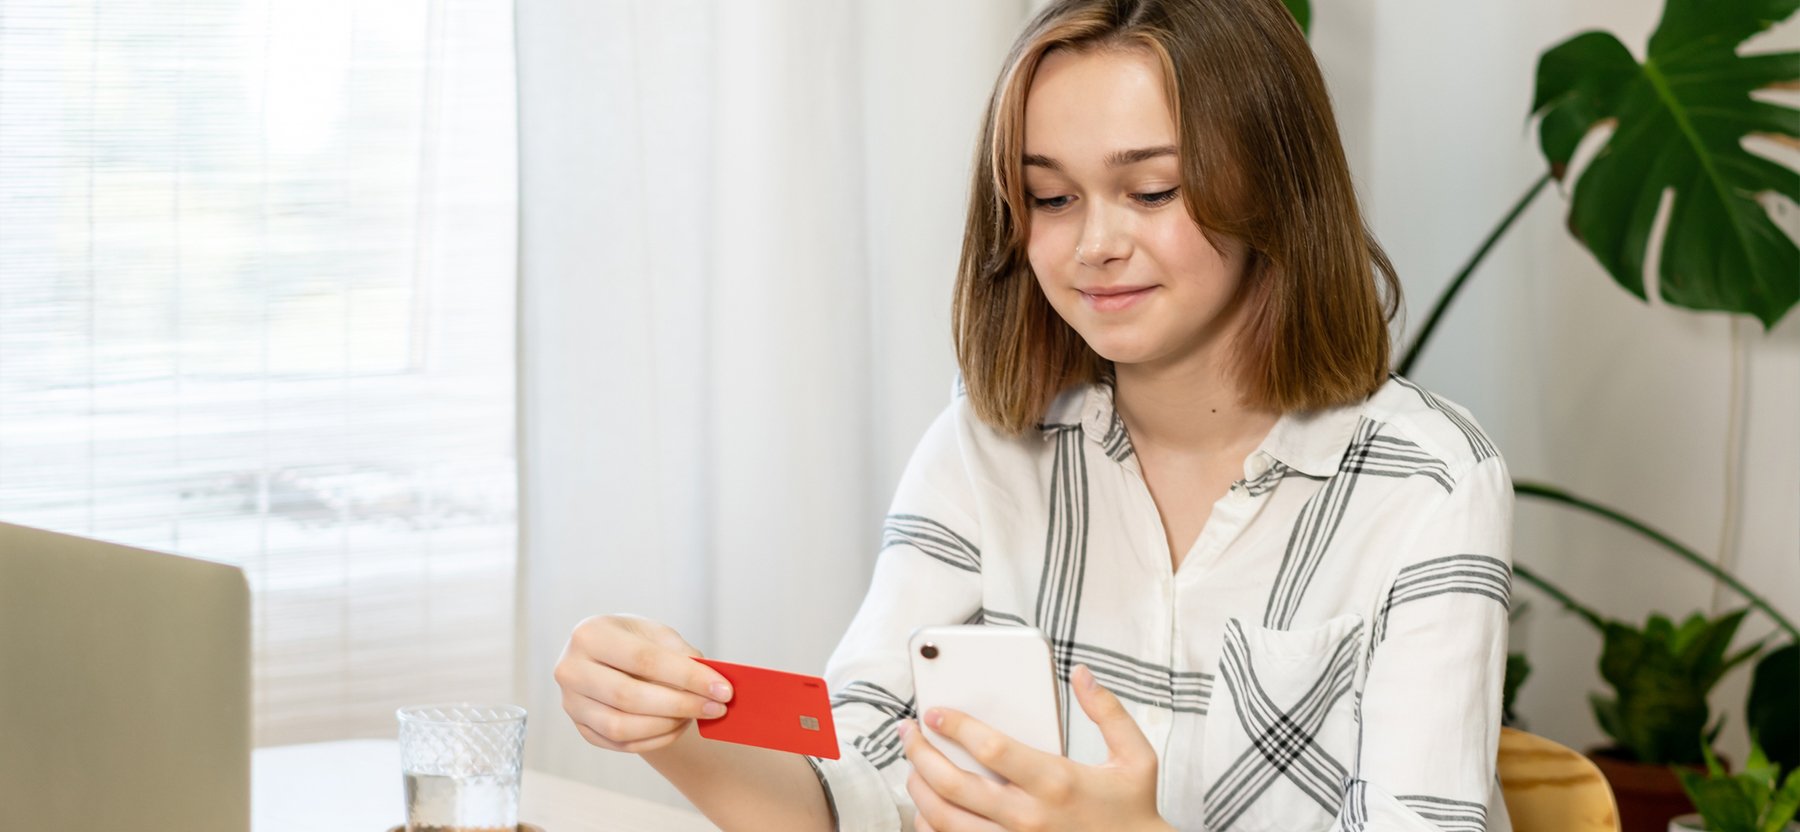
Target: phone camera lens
[929,651]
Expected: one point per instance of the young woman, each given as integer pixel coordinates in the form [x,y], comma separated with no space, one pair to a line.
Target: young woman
[1275,577]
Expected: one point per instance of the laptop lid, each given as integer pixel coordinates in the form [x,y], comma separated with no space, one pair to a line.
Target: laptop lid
[124,687]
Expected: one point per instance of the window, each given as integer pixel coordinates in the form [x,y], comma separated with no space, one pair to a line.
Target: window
[256,305]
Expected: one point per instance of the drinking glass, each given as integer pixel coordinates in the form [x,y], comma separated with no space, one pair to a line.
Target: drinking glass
[461,763]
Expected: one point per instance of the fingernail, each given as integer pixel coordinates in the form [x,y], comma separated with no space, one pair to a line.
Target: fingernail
[712,710]
[934,719]
[903,728]
[721,691]
[1087,678]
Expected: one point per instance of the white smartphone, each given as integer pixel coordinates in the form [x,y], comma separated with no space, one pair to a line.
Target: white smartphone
[999,675]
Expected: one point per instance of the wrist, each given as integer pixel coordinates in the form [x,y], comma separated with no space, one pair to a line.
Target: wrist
[682,747]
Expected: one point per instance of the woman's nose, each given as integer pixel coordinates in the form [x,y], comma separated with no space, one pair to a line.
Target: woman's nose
[1105,235]
[1100,243]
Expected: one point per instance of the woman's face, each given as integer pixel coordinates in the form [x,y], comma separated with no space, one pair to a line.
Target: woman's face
[1112,245]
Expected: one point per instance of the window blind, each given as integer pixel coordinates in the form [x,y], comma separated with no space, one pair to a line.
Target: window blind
[256,305]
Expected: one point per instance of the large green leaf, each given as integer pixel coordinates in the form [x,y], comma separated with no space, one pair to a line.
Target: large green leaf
[1681,116]
[1771,711]
[1302,12]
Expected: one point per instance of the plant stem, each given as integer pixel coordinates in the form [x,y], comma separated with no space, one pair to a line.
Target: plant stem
[1556,495]
[1456,284]
[1550,589]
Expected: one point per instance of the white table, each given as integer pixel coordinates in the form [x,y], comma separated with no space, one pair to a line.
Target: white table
[354,785]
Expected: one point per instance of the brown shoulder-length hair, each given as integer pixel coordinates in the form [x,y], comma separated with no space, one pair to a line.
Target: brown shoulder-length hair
[1260,161]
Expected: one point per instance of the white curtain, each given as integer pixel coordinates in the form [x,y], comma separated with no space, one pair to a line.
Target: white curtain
[740,224]
[256,288]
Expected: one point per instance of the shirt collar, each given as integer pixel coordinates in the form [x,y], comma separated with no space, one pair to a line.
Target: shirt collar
[1312,442]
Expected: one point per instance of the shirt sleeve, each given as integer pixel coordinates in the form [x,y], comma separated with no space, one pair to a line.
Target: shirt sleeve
[928,572]
[1430,707]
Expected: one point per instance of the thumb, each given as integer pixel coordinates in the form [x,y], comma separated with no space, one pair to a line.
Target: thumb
[1124,740]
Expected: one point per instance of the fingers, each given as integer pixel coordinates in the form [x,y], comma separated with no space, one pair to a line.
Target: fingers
[631,684]
[936,813]
[635,747]
[608,727]
[964,789]
[1033,770]
[659,654]
[636,696]
[1124,739]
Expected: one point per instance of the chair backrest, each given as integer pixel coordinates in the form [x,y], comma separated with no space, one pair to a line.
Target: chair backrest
[1551,788]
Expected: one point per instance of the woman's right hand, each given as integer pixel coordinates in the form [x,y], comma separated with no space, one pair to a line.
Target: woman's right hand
[631,684]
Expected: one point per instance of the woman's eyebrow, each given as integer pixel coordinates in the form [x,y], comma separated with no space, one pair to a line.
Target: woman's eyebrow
[1116,159]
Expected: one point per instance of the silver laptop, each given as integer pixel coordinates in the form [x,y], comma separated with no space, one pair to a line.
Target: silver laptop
[124,688]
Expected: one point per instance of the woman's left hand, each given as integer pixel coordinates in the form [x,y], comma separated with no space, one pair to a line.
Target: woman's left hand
[1045,791]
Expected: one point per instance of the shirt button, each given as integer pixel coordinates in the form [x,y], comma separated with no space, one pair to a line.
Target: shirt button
[1256,465]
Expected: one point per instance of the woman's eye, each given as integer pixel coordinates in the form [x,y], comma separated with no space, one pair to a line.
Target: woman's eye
[1057,203]
[1157,198]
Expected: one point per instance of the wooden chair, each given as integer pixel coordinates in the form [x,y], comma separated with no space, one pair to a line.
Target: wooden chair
[1551,788]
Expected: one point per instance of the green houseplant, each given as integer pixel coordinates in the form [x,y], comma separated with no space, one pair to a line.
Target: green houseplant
[1755,800]
[1660,675]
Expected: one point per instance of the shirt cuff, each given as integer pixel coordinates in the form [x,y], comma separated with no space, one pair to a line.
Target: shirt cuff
[857,794]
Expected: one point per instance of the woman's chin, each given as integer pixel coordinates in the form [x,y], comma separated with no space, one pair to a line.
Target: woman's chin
[1124,350]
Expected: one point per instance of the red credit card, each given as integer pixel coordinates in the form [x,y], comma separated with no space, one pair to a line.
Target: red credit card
[773,709]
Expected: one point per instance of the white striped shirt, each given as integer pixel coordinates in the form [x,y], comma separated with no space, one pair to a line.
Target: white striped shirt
[1328,655]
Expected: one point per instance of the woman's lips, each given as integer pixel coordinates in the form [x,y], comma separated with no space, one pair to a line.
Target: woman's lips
[1113,300]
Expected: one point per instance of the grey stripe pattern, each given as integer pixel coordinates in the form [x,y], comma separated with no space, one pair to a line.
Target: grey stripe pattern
[1116,443]
[1448,815]
[1129,678]
[1266,481]
[932,538]
[1313,532]
[1478,441]
[1065,555]
[881,745]
[1282,742]
[1355,813]
[1371,453]
[1391,456]
[1481,575]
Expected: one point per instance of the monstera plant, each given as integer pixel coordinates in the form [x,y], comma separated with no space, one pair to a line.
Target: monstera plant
[1680,118]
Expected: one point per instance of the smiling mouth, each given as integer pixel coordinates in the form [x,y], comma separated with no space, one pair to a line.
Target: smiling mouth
[1113,300]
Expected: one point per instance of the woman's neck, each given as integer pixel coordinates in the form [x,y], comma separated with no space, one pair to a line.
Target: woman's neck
[1193,405]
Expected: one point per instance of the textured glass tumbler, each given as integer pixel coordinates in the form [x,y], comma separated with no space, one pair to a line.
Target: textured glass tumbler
[461,763]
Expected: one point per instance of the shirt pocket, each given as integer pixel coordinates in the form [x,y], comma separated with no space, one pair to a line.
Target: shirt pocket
[1281,731]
